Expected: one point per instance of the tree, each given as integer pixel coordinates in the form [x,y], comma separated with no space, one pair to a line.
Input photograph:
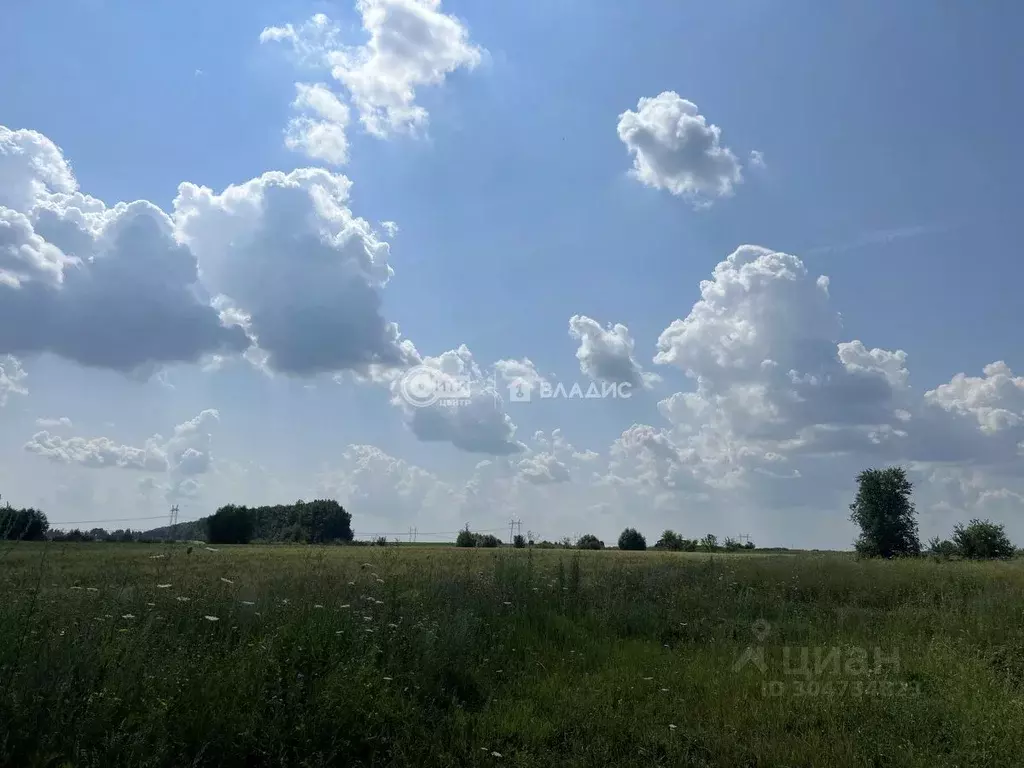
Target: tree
[589,541]
[982,540]
[519,542]
[488,540]
[730,544]
[709,543]
[465,538]
[943,548]
[632,539]
[885,514]
[23,524]
[670,540]
[230,525]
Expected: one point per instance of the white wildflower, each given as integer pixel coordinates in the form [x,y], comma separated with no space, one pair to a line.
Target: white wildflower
[163,586]
[226,581]
[211,618]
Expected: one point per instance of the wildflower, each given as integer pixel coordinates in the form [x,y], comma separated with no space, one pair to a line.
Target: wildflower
[211,618]
[508,603]
[351,583]
[91,589]
[181,599]
[317,605]
[664,690]
[648,678]
[151,605]
[76,587]
[284,600]
[226,581]
[387,679]
[128,616]
[338,632]
[393,626]
[367,618]
[163,586]
[672,726]
[248,602]
[495,754]
[380,581]
[369,630]
[156,557]
[346,605]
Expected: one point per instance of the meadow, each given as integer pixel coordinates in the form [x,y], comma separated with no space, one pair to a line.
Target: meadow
[154,655]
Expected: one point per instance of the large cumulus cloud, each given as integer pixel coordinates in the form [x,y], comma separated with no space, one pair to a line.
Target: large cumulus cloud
[105,287]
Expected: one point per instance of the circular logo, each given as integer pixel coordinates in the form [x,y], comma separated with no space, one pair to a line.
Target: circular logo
[421,386]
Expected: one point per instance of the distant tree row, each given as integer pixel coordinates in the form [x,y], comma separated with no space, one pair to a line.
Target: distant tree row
[311,522]
[885,512]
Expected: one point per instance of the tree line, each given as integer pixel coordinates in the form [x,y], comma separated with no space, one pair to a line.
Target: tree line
[310,522]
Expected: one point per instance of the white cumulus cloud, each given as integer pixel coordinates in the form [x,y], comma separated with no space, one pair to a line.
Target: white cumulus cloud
[675,148]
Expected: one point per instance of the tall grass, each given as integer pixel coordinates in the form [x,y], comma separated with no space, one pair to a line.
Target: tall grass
[407,656]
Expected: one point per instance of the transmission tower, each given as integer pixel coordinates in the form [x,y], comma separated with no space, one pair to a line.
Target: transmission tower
[174,521]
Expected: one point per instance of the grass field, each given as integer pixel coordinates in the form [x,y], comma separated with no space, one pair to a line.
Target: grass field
[124,655]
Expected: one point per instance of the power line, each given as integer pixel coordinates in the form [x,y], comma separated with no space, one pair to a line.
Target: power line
[108,520]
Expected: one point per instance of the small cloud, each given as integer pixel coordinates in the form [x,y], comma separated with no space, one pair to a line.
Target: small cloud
[756,159]
[63,421]
[199,73]
[390,227]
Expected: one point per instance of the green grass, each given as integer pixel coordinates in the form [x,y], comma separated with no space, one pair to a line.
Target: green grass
[549,658]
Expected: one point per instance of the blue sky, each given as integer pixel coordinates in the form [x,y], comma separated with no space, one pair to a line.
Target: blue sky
[890,164]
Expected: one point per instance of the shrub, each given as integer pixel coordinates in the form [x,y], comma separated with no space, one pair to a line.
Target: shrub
[670,540]
[632,539]
[589,541]
[982,540]
[465,538]
[709,543]
[519,542]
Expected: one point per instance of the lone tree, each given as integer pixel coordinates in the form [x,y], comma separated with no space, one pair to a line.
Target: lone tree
[632,539]
[982,540]
[885,513]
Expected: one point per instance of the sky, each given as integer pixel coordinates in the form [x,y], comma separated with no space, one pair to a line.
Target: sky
[258,252]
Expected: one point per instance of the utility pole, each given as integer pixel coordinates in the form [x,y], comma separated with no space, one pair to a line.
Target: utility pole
[173,523]
[744,538]
[512,525]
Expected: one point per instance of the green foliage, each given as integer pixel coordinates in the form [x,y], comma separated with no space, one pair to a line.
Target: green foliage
[465,538]
[942,548]
[632,539]
[589,541]
[885,513]
[982,540]
[519,541]
[488,540]
[709,543]
[230,525]
[313,522]
[670,540]
[22,524]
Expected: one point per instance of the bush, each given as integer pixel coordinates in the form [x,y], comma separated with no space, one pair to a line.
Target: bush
[982,540]
[670,540]
[488,540]
[589,541]
[631,539]
[709,543]
[943,548]
[465,538]
[519,542]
